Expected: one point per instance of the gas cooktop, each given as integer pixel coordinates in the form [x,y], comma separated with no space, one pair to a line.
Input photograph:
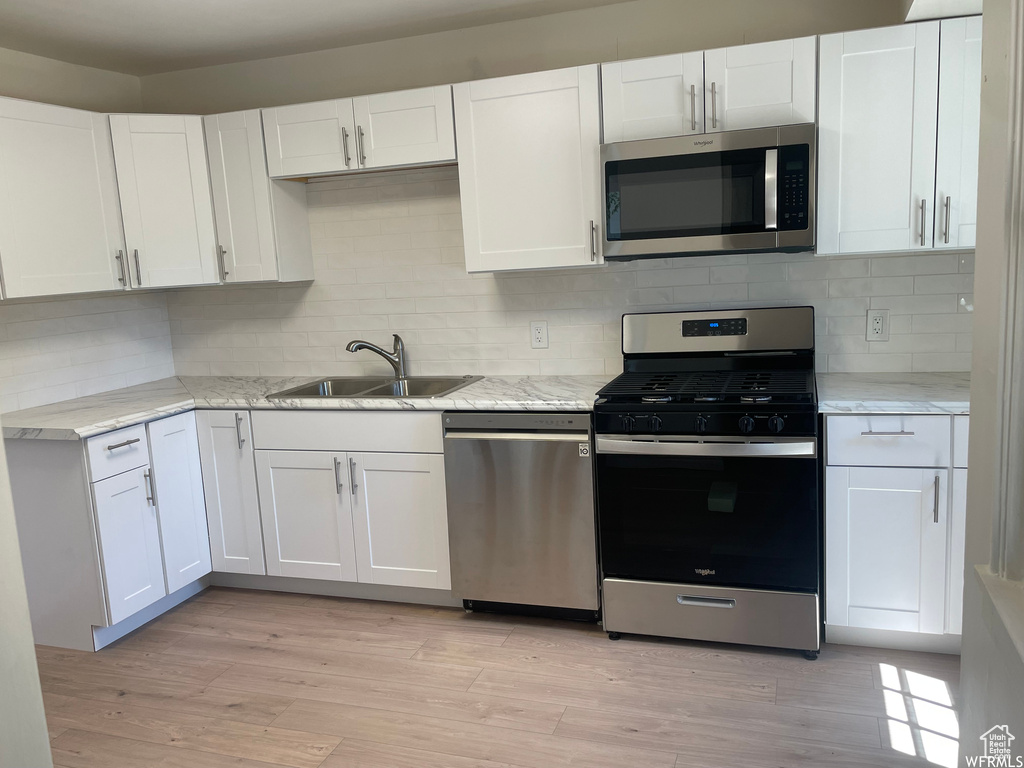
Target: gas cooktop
[713,386]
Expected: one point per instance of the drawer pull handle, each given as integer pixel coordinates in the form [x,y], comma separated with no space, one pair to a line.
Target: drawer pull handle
[115,446]
[706,602]
[886,434]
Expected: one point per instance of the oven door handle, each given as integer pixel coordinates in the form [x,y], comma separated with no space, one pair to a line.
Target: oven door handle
[794,448]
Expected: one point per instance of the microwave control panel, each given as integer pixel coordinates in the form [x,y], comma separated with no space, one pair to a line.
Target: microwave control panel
[794,186]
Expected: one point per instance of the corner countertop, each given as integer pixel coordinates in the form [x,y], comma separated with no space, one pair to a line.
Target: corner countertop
[907,393]
[85,417]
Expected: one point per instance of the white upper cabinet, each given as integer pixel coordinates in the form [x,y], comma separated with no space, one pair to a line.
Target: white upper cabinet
[400,519]
[956,168]
[380,131]
[529,169]
[307,514]
[166,203]
[262,225]
[765,84]
[652,98]
[60,221]
[405,128]
[876,150]
[181,507]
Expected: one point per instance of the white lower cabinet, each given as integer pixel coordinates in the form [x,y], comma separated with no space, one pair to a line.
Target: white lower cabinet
[400,517]
[178,490]
[232,502]
[307,514]
[886,548]
[129,537]
[895,513]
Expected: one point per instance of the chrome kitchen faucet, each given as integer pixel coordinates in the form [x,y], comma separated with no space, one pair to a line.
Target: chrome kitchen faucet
[396,358]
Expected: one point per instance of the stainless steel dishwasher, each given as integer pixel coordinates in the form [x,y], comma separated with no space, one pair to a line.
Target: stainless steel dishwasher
[521,512]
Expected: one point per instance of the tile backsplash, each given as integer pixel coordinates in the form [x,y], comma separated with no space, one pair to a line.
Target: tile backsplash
[58,349]
[389,259]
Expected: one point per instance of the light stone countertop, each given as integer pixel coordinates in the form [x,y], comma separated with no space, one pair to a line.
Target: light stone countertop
[93,415]
[909,393]
[940,393]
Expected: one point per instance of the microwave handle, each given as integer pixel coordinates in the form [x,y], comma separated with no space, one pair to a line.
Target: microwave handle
[771,189]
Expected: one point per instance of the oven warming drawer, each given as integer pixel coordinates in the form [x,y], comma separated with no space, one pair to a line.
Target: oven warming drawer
[717,614]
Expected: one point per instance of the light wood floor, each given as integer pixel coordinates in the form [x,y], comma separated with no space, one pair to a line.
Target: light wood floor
[259,680]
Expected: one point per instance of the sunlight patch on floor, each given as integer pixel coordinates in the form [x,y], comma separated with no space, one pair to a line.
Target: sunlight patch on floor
[921,718]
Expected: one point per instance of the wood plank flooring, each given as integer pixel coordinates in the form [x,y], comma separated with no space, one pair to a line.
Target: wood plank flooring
[265,680]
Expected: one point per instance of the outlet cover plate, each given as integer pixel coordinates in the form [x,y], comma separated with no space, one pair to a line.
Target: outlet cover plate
[539,334]
[878,325]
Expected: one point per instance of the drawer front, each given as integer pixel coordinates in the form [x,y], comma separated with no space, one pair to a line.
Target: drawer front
[116,452]
[887,440]
[961,430]
[717,614]
[356,431]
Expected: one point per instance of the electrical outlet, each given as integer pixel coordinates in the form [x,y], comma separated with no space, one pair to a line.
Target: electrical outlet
[539,334]
[878,325]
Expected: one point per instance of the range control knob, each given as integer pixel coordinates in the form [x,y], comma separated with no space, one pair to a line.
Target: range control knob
[746,425]
[776,424]
[701,423]
[628,423]
[655,423]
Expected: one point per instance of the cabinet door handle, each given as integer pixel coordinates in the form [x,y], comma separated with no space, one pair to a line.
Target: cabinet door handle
[344,146]
[115,446]
[238,429]
[138,269]
[337,474]
[693,107]
[714,105]
[593,241]
[120,269]
[886,434]
[352,476]
[359,145]
[149,487]
[945,228]
[935,516]
[222,257]
[924,208]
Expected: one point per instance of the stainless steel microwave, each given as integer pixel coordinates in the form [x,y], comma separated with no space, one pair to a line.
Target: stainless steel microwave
[712,193]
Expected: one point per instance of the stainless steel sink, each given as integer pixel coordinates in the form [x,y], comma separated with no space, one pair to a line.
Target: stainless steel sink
[379,386]
[421,386]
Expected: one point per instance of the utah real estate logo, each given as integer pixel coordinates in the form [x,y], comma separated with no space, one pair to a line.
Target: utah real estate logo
[998,750]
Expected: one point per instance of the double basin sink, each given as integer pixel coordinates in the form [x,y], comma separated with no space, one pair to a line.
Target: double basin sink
[379,386]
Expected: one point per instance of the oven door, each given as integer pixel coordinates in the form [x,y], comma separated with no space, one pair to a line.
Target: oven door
[724,513]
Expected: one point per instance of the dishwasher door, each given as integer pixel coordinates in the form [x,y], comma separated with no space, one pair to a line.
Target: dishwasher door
[521,522]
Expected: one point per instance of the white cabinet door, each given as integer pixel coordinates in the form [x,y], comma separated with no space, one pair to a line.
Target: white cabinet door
[310,139]
[401,519]
[60,221]
[405,128]
[957,540]
[181,506]
[876,147]
[229,480]
[761,85]
[307,514]
[654,97]
[126,522]
[885,548]
[529,169]
[241,196]
[956,167]
[164,184]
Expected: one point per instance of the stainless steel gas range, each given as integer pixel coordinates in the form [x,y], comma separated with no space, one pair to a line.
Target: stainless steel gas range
[707,479]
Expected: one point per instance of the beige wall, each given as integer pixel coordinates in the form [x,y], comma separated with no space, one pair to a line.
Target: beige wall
[23,737]
[24,76]
[625,30]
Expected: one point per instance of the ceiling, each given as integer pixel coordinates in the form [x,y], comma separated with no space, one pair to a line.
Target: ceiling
[142,37]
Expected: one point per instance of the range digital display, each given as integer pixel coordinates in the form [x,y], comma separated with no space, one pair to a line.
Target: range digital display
[733,326]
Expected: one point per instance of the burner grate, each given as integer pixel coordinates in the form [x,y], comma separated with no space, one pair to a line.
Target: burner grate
[711,385]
